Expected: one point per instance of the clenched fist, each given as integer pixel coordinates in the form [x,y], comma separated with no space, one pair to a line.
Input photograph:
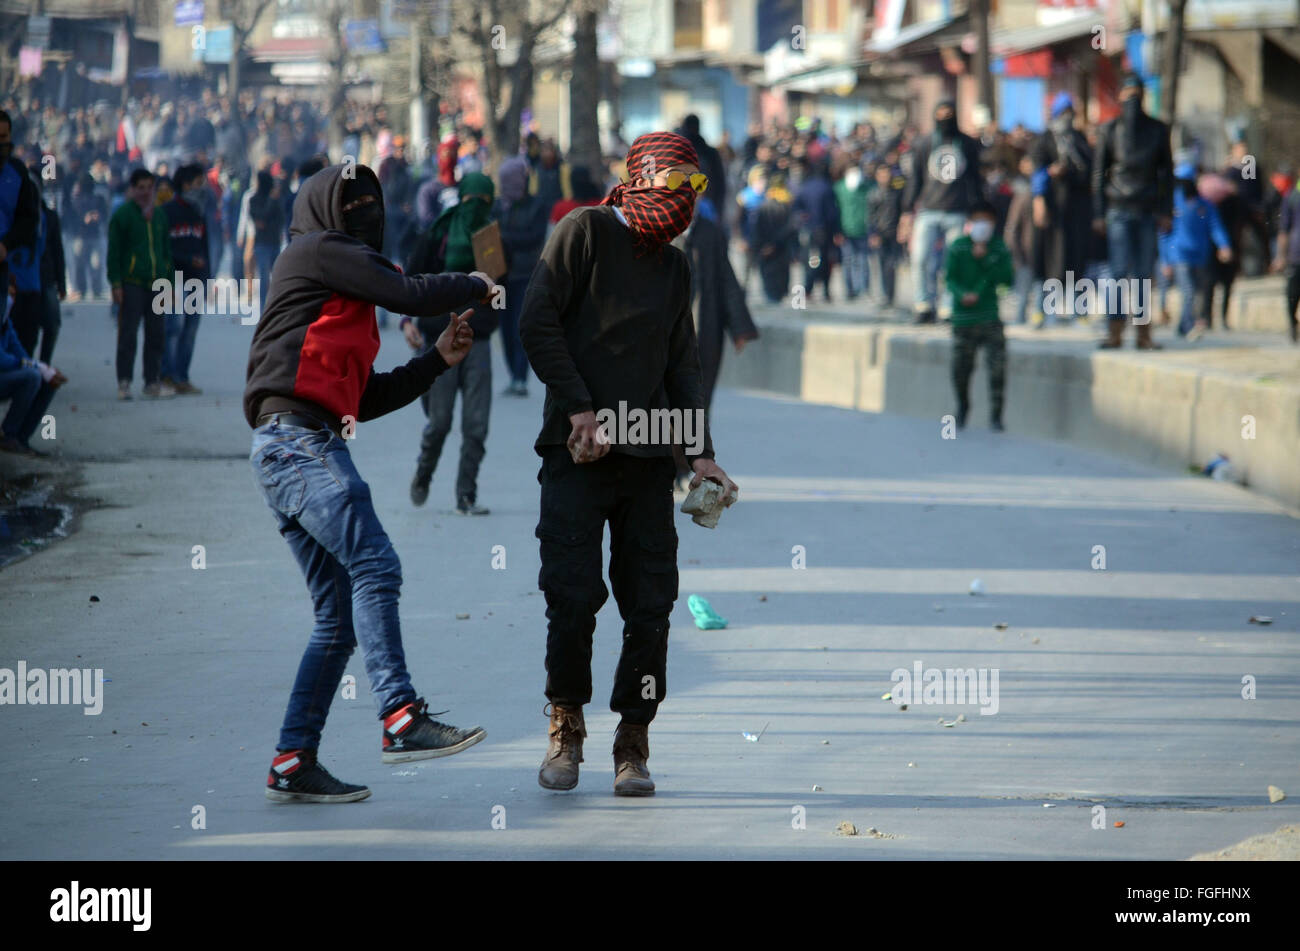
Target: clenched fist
[455,341]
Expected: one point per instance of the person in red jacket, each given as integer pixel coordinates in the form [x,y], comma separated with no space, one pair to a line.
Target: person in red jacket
[310,380]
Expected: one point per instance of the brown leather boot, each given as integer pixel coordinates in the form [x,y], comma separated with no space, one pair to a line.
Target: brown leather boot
[1144,341]
[567,731]
[631,750]
[1114,335]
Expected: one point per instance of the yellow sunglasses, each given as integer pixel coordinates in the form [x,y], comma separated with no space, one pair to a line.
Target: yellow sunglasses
[699,181]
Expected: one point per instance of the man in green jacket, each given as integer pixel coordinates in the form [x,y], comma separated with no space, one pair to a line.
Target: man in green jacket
[851,192]
[977,264]
[139,253]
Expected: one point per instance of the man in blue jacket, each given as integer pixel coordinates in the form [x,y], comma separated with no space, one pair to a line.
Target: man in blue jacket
[19,205]
[25,281]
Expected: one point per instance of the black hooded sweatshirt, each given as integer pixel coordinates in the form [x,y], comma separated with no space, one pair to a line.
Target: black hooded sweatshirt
[317,339]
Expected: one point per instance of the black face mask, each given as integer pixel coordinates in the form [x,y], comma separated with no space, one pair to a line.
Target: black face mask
[1132,107]
[365,222]
[946,126]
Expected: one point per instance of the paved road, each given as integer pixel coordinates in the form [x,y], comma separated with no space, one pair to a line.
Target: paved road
[1119,687]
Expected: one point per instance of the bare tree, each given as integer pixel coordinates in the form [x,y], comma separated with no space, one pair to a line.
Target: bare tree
[437,65]
[1173,58]
[485,26]
[331,13]
[584,87]
[243,16]
[983,63]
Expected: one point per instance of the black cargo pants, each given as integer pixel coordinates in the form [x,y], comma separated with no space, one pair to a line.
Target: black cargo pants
[635,497]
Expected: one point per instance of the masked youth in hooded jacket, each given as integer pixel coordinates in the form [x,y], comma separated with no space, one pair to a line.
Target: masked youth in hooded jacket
[607,326]
[310,379]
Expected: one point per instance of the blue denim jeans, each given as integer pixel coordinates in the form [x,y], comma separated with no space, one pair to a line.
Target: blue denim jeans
[1131,238]
[857,276]
[926,259]
[324,511]
[513,348]
[884,260]
[1192,281]
[1029,295]
[179,347]
[29,396]
[87,271]
[264,256]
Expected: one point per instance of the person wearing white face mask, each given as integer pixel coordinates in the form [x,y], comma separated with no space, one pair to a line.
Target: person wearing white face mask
[851,192]
[977,264]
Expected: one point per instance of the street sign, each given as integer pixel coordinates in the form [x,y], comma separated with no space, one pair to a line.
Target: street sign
[362,36]
[38,32]
[189,13]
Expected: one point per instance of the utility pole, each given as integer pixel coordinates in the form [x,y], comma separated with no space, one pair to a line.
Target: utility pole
[983,62]
[128,25]
[417,123]
[1173,58]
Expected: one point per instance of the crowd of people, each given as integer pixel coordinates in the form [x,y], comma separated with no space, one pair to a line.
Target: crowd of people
[808,201]
[795,201]
[627,304]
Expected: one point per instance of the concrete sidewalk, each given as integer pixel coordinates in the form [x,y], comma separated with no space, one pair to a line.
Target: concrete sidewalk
[1118,687]
[1232,392]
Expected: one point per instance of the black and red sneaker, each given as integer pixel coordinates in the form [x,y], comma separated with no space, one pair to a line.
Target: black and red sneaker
[410,733]
[295,776]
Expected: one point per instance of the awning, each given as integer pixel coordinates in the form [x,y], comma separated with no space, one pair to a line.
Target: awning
[71,9]
[301,74]
[1005,42]
[837,77]
[908,34]
[292,49]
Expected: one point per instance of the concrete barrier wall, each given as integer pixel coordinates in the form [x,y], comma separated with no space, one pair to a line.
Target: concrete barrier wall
[1259,303]
[1165,408]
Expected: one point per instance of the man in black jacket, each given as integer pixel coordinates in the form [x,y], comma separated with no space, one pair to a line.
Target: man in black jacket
[718,302]
[310,380]
[187,230]
[1132,200]
[607,327]
[711,164]
[54,283]
[1061,204]
[945,185]
[884,208]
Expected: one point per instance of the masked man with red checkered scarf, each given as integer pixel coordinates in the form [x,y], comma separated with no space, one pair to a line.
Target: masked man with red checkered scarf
[607,326]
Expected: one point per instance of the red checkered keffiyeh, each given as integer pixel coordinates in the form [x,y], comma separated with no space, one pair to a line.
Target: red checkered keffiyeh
[657,214]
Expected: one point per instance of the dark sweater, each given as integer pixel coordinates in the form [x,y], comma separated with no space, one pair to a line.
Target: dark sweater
[945,176]
[602,326]
[188,232]
[53,267]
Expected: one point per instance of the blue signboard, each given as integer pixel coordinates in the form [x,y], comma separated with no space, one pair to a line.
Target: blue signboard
[363,36]
[217,44]
[189,12]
